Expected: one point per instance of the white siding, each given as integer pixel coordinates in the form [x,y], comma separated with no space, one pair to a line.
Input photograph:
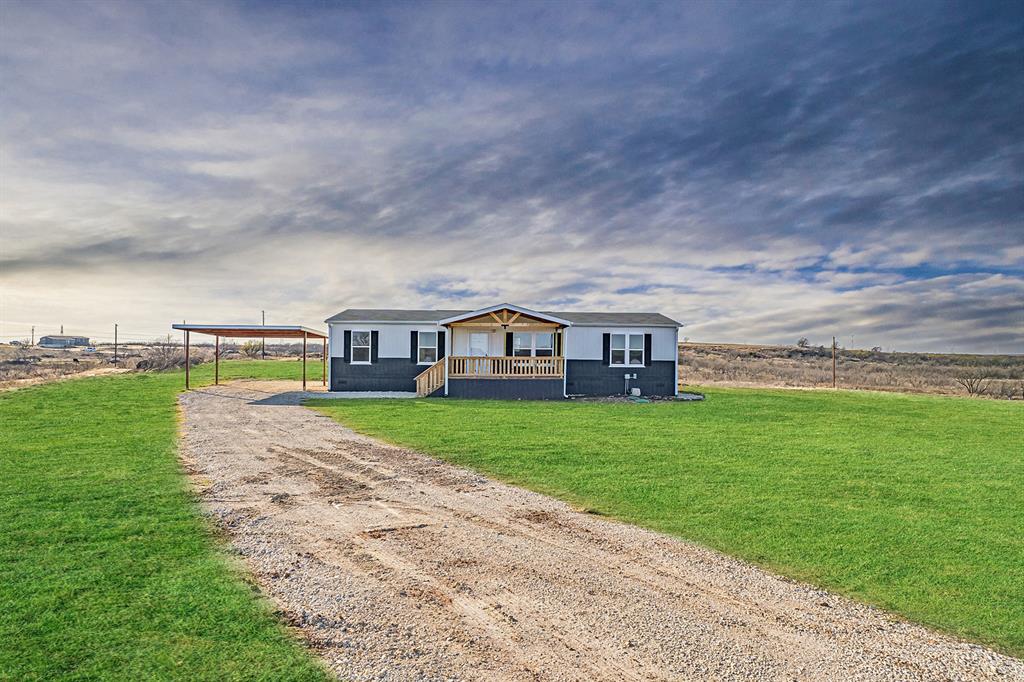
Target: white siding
[336,339]
[392,339]
[587,343]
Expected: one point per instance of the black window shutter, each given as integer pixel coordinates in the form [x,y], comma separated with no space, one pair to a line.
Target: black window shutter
[508,343]
[373,346]
[414,346]
[647,350]
[347,350]
[558,343]
[606,349]
[440,345]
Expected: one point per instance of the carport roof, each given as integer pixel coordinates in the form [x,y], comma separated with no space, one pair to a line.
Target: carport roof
[265,331]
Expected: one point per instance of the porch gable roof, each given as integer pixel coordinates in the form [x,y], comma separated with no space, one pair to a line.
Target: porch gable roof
[546,317]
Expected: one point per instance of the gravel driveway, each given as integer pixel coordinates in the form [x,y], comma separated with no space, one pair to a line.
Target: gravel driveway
[398,566]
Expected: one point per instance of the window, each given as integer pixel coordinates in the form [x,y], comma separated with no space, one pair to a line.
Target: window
[525,344]
[522,344]
[544,344]
[627,347]
[427,352]
[360,348]
[636,349]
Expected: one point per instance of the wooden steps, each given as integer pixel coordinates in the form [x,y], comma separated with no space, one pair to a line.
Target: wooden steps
[430,379]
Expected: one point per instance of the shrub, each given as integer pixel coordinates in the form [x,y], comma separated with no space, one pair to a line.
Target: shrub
[250,349]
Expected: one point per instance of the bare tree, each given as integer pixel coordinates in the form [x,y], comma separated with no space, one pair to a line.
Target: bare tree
[803,342]
[163,356]
[975,383]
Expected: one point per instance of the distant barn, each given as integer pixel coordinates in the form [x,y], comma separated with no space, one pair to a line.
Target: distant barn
[61,341]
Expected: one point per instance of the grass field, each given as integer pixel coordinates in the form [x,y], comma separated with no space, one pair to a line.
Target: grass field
[912,503]
[108,571]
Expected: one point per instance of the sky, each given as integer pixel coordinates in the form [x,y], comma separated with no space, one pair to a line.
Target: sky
[760,172]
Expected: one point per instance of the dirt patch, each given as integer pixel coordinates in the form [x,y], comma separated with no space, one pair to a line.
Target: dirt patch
[537,516]
[398,566]
[58,375]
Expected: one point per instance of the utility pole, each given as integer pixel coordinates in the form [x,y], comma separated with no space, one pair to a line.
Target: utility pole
[62,329]
[33,336]
[263,341]
[115,343]
[833,362]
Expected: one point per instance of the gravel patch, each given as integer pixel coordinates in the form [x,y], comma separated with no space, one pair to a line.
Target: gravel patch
[397,566]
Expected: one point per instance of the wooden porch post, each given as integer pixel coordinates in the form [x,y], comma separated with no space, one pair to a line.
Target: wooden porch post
[186,360]
[323,365]
[303,361]
[216,360]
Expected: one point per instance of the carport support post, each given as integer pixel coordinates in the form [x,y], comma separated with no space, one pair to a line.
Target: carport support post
[186,360]
[216,360]
[323,365]
[303,361]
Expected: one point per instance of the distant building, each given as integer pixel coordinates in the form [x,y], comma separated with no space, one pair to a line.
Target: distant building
[61,341]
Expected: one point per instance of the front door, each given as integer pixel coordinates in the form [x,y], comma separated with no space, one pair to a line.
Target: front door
[478,348]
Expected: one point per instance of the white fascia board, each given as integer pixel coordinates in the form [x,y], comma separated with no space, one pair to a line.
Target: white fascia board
[509,306]
[421,323]
[606,325]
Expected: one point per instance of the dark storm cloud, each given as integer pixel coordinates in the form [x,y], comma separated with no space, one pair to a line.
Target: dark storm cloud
[923,108]
[447,289]
[107,252]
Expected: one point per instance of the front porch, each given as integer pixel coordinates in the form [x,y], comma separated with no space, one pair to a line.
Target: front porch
[495,347]
[460,368]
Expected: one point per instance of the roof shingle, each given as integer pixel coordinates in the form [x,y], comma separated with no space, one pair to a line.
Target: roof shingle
[596,319]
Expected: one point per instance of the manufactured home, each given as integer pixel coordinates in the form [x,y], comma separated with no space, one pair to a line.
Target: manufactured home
[504,351]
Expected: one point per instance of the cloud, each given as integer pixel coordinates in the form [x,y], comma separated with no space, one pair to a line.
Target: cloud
[760,176]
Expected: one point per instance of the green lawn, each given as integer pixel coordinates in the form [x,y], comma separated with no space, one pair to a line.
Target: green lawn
[912,503]
[107,571]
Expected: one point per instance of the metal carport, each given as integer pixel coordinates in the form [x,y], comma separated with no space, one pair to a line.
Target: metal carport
[252,331]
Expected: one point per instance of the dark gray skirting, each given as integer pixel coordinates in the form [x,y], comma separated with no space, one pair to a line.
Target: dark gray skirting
[506,389]
[387,374]
[593,377]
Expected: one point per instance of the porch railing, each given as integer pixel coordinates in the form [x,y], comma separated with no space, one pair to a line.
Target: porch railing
[505,367]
